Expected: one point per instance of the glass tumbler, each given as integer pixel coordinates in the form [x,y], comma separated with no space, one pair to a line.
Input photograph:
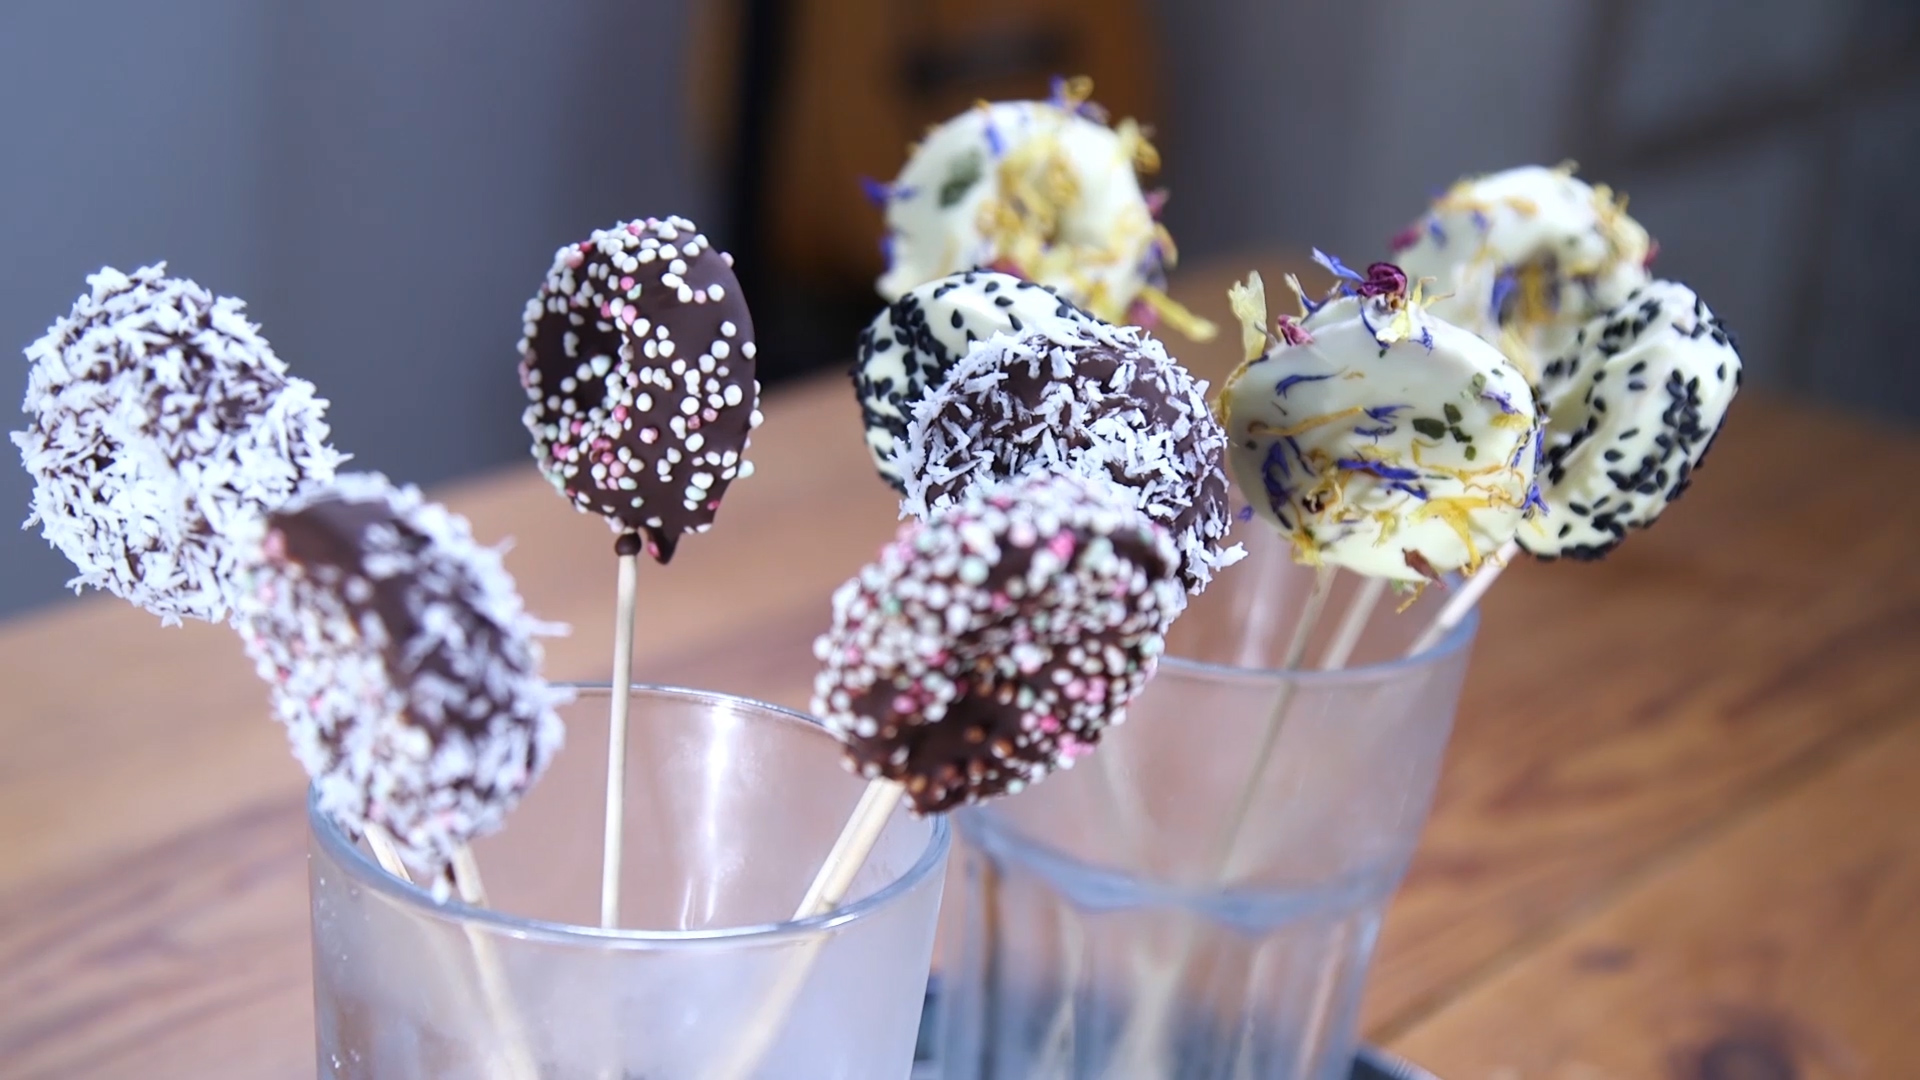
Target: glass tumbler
[1100,925]
[731,807]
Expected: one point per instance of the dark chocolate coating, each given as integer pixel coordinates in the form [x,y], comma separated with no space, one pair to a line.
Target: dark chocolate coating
[639,348]
[1048,657]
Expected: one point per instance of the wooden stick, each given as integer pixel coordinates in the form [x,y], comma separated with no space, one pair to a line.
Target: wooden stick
[515,1051]
[829,887]
[516,1056]
[1353,623]
[1463,601]
[1270,738]
[1141,1049]
[613,836]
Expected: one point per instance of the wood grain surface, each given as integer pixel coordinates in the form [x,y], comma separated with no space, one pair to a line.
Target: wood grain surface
[1674,838]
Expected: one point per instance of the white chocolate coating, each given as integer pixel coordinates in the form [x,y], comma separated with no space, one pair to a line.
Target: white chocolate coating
[916,340]
[1031,186]
[1524,257]
[1384,440]
[1632,410]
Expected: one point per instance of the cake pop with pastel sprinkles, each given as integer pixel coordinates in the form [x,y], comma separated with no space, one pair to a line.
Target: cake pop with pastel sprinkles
[1089,399]
[402,663]
[1632,410]
[996,641]
[1525,257]
[159,422]
[638,364]
[915,340]
[1377,437]
[1045,190]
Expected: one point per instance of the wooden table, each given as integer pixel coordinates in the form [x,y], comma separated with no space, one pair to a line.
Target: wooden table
[1678,835]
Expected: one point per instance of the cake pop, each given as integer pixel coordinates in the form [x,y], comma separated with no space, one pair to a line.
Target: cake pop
[159,421]
[1085,398]
[638,364]
[1526,256]
[1042,189]
[915,340]
[1378,437]
[1632,411]
[995,641]
[402,664]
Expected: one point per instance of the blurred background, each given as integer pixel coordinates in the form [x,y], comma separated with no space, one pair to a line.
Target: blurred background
[384,181]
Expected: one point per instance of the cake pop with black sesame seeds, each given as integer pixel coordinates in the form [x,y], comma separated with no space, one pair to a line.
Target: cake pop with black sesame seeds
[1087,399]
[1632,411]
[402,662]
[914,341]
[160,421]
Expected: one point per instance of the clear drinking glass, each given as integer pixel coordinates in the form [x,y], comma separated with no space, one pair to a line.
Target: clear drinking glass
[731,807]
[1087,931]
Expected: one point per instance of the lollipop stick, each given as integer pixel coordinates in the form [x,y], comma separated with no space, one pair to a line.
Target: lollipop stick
[1463,601]
[515,1052]
[830,886]
[613,836]
[1142,1048]
[1353,623]
[386,852]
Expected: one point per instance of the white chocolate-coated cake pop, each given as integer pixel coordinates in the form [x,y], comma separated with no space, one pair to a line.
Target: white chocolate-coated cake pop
[1525,257]
[1042,189]
[912,344]
[1378,437]
[1632,411]
[159,422]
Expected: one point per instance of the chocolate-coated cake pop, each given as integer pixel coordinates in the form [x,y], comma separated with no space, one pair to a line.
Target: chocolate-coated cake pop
[913,342]
[159,420]
[1380,438]
[638,363]
[995,641]
[1632,411]
[402,663]
[1084,398]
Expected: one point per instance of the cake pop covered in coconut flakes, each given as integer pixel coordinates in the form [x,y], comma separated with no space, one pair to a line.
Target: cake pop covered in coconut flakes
[1086,398]
[638,363]
[402,663]
[1377,437]
[1632,411]
[915,340]
[996,641]
[1526,256]
[159,421]
[1045,190]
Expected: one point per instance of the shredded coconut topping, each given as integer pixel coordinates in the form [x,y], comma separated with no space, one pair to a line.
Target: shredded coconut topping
[159,422]
[994,642]
[402,663]
[1083,398]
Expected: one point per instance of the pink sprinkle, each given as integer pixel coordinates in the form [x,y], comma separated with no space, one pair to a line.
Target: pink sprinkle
[1062,546]
[578,425]
[1072,747]
[633,228]
[709,415]
[620,413]
[626,281]
[576,257]
[605,311]
[1050,724]
[627,314]
[904,703]
[649,435]
[1075,689]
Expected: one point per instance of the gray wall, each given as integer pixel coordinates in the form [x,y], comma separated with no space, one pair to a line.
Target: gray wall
[383,181]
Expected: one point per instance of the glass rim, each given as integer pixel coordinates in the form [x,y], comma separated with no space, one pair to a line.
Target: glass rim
[349,855]
[1453,642]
